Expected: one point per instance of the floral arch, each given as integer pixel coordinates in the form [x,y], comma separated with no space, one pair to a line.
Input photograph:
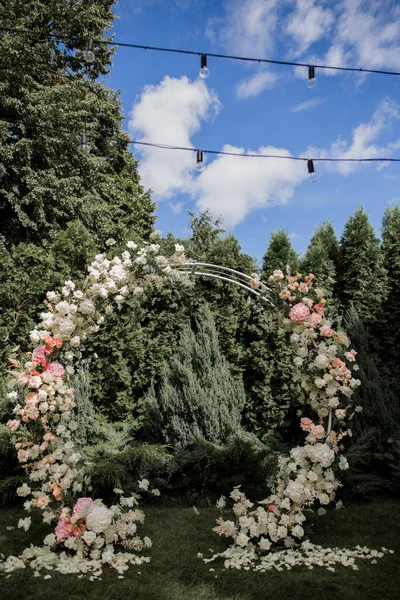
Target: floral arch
[88,534]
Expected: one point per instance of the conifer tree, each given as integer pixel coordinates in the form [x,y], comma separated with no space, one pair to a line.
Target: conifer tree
[279,254]
[198,397]
[321,257]
[363,282]
[390,321]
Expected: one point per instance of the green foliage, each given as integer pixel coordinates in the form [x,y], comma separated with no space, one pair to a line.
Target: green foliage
[363,280]
[389,325]
[322,257]
[374,448]
[198,398]
[279,254]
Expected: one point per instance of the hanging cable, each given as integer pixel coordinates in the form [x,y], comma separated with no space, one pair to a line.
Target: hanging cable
[198,53]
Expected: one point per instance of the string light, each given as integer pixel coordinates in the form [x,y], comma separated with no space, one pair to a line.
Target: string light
[204,70]
[312,178]
[200,163]
[88,53]
[198,53]
[84,147]
[312,80]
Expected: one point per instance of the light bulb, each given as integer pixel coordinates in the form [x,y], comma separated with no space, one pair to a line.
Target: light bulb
[312,178]
[311,83]
[200,163]
[84,147]
[88,53]
[312,80]
[204,70]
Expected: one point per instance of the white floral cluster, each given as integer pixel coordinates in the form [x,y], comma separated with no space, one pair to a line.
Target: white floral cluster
[307,476]
[44,422]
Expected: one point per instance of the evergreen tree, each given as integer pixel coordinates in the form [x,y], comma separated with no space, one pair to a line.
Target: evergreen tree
[279,254]
[389,329]
[198,398]
[363,282]
[321,257]
[49,97]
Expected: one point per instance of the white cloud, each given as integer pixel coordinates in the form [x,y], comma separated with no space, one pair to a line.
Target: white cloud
[308,104]
[176,207]
[308,24]
[233,186]
[254,85]
[248,26]
[364,141]
[170,113]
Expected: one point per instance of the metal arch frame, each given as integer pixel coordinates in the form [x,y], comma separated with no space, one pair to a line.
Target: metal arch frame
[239,279]
[225,274]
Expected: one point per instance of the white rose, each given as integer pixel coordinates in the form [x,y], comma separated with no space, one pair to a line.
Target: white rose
[264,544]
[89,537]
[78,294]
[34,336]
[24,490]
[75,341]
[322,361]
[242,539]
[131,245]
[138,291]
[66,326]
[298,531]
[86,307]
[99,519]
[51,296]
[179,249]
[118,273]
[62,307]
[322,454]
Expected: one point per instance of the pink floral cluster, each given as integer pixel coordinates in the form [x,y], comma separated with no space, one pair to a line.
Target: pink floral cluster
[74,526]
[317,431]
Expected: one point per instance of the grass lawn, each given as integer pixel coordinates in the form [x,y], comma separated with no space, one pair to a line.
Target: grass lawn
[175,572]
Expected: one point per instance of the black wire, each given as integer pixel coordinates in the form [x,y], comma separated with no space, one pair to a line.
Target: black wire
[211,54]
[168,147]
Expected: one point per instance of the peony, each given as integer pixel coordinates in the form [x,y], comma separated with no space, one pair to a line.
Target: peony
[299,313]
[82,507]
[321,453]
[99,518]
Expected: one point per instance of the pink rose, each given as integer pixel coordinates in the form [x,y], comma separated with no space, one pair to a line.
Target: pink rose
[55,369]
[34,381]
[63,530]
[272,507]
[299,313]
[326,331]
[317,431]
[319,307]
[315,319]
[42,501]
[306,423]
[38,355]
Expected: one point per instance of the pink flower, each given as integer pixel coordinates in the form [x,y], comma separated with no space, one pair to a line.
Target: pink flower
[326,331]
[38,355]
[315,319]
[319,308]
[351,356]
[62,530]
[306,424]
[22,455]
[13,424]
[317,431]
[23,379]
[42,501]
[340,413]
[55,369]
[82,507]
[272,507]
[34,381]
[299,313]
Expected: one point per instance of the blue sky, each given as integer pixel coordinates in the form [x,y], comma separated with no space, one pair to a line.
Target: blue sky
[252,109]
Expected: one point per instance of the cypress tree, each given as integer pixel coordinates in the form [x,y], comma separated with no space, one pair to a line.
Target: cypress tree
[363,282]
[198,397]
[322,256]
[279,254]
[389,329]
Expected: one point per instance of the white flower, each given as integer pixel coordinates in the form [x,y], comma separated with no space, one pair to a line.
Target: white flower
[179,249]
[321,453]
[131,245]
[322,361]
[147,542]
[144,484]
[34,336]
[23,491]
[75,341]
[242,539]
[86,307]
[24,523]
[153,248]
[110,242]
[62,307]
[66,326]
[12,395]
[89,537]
[118,273]
[264,544]
[298,531]
[323,498]
[343,463]
[236,494]
[99,519]
[320,383]
[78,294]
[155,234]
[138,291]
[221,503]
[51,296]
